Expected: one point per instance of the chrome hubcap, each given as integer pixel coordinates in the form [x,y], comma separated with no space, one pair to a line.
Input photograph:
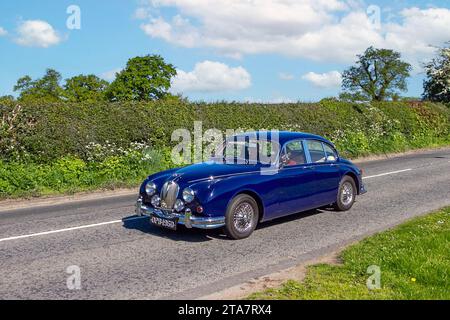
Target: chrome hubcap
[243,217]
[347,194]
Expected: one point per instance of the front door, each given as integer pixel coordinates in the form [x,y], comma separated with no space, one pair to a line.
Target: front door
[296,180]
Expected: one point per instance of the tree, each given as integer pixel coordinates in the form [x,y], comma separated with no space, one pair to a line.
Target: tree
[85,88]
[6,101]
[352,97]
[46,87]
[378,75]
[144,79]
[437,82]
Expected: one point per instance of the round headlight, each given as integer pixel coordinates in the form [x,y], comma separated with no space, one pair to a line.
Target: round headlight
[179,205]
[156,201]
[188,195]
[150,188]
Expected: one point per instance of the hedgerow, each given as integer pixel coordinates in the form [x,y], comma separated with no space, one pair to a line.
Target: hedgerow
[58,146]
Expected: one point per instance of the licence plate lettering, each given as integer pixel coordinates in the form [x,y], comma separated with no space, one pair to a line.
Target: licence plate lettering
[165,223]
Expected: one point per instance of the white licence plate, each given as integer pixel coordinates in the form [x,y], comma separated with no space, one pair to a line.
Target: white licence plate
[164,223]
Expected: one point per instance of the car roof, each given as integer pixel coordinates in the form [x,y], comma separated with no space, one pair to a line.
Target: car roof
[283,136]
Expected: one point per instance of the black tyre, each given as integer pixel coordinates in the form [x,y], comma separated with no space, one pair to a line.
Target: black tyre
[346,195]
[241,217]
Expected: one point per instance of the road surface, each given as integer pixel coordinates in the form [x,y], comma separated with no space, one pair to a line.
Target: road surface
[124,257]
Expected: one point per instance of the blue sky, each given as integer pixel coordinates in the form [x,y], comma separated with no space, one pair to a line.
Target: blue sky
[253,50]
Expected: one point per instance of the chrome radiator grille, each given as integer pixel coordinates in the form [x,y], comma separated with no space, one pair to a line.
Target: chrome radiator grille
[169,193]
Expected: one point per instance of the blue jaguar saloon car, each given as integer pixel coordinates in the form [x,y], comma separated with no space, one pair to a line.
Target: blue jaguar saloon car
[252,177]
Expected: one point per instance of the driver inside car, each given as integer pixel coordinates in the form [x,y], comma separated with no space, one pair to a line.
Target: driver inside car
[294,157]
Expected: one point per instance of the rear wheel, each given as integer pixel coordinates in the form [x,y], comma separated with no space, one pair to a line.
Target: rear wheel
[242,217]
[346,195]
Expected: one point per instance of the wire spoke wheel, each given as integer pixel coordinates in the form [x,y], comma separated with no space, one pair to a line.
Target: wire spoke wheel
[243,217]
[347,193]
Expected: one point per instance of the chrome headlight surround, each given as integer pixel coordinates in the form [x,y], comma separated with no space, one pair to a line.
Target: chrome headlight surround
[179,205]
[155,201]
[188,195]
[150,188]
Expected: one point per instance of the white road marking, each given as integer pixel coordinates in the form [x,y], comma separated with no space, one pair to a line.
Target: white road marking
[386,174]
[68,229]
[120,221]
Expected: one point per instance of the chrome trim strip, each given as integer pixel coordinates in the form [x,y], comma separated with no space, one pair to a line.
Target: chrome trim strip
[233,175]
[224,176]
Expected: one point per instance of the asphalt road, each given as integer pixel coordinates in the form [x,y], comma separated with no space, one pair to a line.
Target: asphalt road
[121,257]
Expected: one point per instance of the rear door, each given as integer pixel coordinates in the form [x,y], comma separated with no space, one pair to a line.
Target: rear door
[323,159]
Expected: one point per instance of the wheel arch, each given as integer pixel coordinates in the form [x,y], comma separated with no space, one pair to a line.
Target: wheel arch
[355,179]
[257,198]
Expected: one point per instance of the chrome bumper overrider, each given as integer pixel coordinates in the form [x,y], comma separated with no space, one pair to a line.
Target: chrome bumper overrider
[363,189]
[185,219]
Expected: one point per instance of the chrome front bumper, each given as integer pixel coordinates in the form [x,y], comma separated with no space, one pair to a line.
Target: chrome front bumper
[186,219]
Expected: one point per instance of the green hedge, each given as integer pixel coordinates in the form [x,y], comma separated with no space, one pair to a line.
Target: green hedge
[71,174]
[45,133]
[52,148]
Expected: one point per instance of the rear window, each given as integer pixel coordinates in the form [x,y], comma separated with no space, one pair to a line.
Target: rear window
[331,154]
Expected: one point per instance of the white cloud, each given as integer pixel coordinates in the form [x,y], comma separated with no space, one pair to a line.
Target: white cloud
[3,32]
[110,75]
[324,80]
[325,30]
[419,33]
[210,76]
[179,31]
[37,33]
[239,27]
[141,13]
[286,76]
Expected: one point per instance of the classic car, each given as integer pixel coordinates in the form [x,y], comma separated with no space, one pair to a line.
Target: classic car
[237,191]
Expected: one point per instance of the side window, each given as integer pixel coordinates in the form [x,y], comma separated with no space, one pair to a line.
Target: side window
[293,154]
[331,154]
[316,151]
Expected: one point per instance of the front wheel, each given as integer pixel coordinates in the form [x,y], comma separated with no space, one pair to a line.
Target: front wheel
[346,195]
[242,217]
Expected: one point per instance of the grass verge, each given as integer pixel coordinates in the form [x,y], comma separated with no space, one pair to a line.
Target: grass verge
[414,260]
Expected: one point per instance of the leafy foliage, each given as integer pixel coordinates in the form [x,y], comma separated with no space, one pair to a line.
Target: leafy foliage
[378,75]
[37,138]
[144,79]
[70,174]
[88,88]
[437,83]
[46,133]
[47,88]
[7,100]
